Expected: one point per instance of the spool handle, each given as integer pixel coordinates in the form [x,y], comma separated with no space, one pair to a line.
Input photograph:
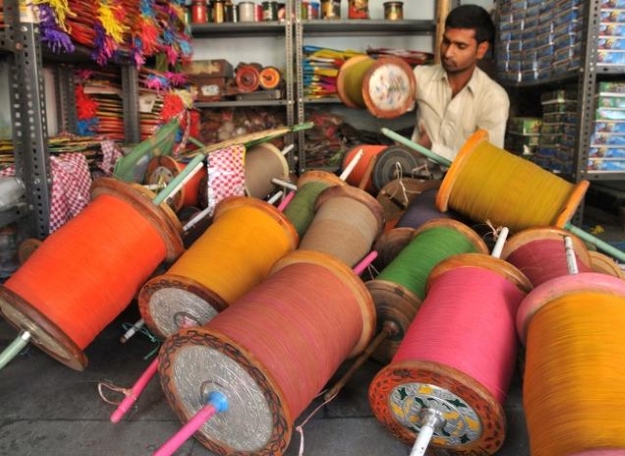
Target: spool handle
[135,392]
[275,197]
[14,348]
[132,330]
[388,329]
[418,147]
[216,402]
[284,183]
[365,262]
[196,218]
[607,248]
[287,149]
[431,420]
[351,165]
[181,178]
[285,202]
[501,240]
[571,261]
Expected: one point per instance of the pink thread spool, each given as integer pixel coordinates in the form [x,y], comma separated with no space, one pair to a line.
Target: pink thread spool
[457,357]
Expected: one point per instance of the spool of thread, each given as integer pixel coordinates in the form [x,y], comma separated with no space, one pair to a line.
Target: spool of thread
[246,11]
[385,86]
[257,353]
[471,304]
[389,244]
[162,169]
[263,163]
[600,262]
[344,213]
[572,329]
[362,169]
[398,195]
[270,78]
[394,162]
[540,254]
[301,209]
[422,208]
[400,288]
[235,253]
[100,257]
[485,182]
[247,77]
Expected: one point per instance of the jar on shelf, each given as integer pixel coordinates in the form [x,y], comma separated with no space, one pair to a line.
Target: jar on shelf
[246,11]
[394,11]
[358,9]
[330,9]
[199,12]
[219,11]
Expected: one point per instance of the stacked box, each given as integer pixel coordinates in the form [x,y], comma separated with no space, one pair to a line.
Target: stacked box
[522,136]
[607,142]
[557,132]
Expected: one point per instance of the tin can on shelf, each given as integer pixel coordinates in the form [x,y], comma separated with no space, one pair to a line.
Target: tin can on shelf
[394,11]
[358,9]
[198,12]
[219,11]
[230,12]
[313,10]
[330,9]
[270,11]
[246,12]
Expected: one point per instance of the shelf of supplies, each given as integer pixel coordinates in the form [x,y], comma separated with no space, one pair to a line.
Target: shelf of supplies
[238,29]
[239,103]
[326,100]
[368,27]
[602,175]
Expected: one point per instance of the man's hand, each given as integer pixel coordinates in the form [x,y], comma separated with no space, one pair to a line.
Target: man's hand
[424,139]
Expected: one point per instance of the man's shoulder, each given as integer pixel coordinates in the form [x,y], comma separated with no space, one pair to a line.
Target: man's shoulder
[488,85]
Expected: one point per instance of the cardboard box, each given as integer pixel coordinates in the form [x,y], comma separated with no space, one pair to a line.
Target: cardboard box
[207,88]
[211,68]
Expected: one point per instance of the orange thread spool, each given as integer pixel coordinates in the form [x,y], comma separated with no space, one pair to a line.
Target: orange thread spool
[235,253]
[258,352]
[370,151]
[270,78]
[84,274]
[163,169]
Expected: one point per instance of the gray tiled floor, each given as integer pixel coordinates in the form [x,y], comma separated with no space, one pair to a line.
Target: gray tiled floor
[48,409]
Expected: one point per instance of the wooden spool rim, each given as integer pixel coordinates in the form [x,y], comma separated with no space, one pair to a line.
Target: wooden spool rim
[397,295]
[27,248]
[247,78]
[270,77]
[529,235]
[483,261]
[600,262]
[264,380]
[408,100]
[340,79]
[356,194]
[162,217]
[278,154]
[449,379]
[463,229]
[319,176]
[45,334]
[394,237]
[470,145]
[169,163]
[347,276]
[556,288]
[174,281]
[233,202]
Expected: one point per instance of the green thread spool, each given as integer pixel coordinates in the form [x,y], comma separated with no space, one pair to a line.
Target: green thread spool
[301,209]
[400,287]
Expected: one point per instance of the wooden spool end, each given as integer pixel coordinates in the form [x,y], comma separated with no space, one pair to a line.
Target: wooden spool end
[342,85]
[347,191]
[319,176]
[466,231]
[456,168]
[197,361]
[162,169]
[256,158]
[553,289]
[234,202]
[349,278]
[529,235]
[475,422]
[44,333]
[389,244]
[396,306]
[572,203]
[27,248]
[162,217]
[386,164]
[170,302]
[392,197]
[600,262]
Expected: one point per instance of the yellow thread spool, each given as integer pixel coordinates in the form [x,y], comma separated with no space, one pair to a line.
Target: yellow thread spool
[485,182]
[385,86]
[233,255]
[573,380]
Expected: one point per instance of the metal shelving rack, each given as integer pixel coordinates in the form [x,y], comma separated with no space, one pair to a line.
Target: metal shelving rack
[337,28]
[20,40]
[258,29]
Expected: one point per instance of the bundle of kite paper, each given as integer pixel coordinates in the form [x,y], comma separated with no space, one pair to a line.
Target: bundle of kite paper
[411,57]
[321,68]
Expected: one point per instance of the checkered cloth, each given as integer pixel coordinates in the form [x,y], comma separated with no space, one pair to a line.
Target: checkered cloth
[226,174]
[71,182]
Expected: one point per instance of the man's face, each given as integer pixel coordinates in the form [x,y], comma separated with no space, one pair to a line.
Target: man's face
[460,51]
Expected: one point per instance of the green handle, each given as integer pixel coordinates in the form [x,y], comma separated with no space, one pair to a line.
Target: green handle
[14,348]
[602,245]
[418,147]
[167,191]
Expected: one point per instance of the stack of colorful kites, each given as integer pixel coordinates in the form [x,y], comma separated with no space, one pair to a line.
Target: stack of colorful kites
[321,68]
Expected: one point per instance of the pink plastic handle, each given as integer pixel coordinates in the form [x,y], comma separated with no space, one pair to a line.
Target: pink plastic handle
[365,262]
[285,202]
[135,392]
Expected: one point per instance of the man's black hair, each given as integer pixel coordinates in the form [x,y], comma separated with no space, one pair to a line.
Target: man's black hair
[472,17]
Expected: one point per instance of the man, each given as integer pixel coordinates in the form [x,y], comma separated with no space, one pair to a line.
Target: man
[456,98]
